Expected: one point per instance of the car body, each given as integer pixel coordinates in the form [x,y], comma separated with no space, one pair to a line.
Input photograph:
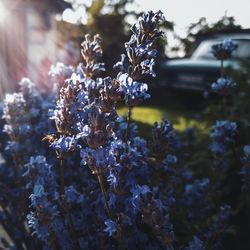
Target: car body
[201,69]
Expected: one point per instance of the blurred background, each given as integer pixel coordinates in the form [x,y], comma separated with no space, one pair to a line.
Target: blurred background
[36,34]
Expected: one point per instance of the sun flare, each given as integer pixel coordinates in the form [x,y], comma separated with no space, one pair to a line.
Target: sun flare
[2,12]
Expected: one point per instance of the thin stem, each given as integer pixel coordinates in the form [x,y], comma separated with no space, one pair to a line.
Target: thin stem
[62,175]
[248,208]
[221,68]
[100,179]
[64,203]
[61,171]
[236,158]
[224,107]
[71,226]
[128,122]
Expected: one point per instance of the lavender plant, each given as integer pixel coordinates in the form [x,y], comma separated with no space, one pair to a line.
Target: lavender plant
[26,116]
[223,51]
[223,135]
[85,119]
[76,175]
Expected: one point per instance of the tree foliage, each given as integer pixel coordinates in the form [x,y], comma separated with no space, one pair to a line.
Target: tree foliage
[202,27]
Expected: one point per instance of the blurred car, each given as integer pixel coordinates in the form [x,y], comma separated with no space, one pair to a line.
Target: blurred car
[201,69]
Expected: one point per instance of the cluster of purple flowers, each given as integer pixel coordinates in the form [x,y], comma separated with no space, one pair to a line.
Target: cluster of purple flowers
[215,231]
[223,136]
[196,199]
[224,50]
[26,122]
[164,138]
[86,119]
[223,86]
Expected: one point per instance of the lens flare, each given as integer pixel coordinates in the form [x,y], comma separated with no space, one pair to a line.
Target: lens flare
[2,12]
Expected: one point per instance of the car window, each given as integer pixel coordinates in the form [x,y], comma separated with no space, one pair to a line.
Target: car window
[204,49]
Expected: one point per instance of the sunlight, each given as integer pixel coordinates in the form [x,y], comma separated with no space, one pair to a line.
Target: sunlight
[75,16]
[2,12]
[9,98]
[149,115]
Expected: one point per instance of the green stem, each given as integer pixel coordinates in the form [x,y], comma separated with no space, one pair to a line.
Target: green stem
[62,175]
[100,179]
[128,122]
[71,226]
[64,204]
[221,68]
[248,207]
[224,106]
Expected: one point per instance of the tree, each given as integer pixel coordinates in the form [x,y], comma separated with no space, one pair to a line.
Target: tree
[202,27]
[109,19]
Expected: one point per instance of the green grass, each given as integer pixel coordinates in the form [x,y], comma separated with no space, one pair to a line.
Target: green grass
[180,119]
[181,111]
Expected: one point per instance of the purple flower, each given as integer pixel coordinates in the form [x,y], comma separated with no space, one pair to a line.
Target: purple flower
[60,72]
[137,193]
[134,92]
[113,178]
[65,144]
[224,50]
[164,138]
[169,161]
[223,134]
[98,160]
[72,195]
[223,86]
[92,54]
[111,227]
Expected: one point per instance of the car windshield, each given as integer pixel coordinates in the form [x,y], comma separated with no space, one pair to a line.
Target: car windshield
[204,49]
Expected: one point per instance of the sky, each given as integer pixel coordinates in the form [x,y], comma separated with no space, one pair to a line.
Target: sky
[184,12]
